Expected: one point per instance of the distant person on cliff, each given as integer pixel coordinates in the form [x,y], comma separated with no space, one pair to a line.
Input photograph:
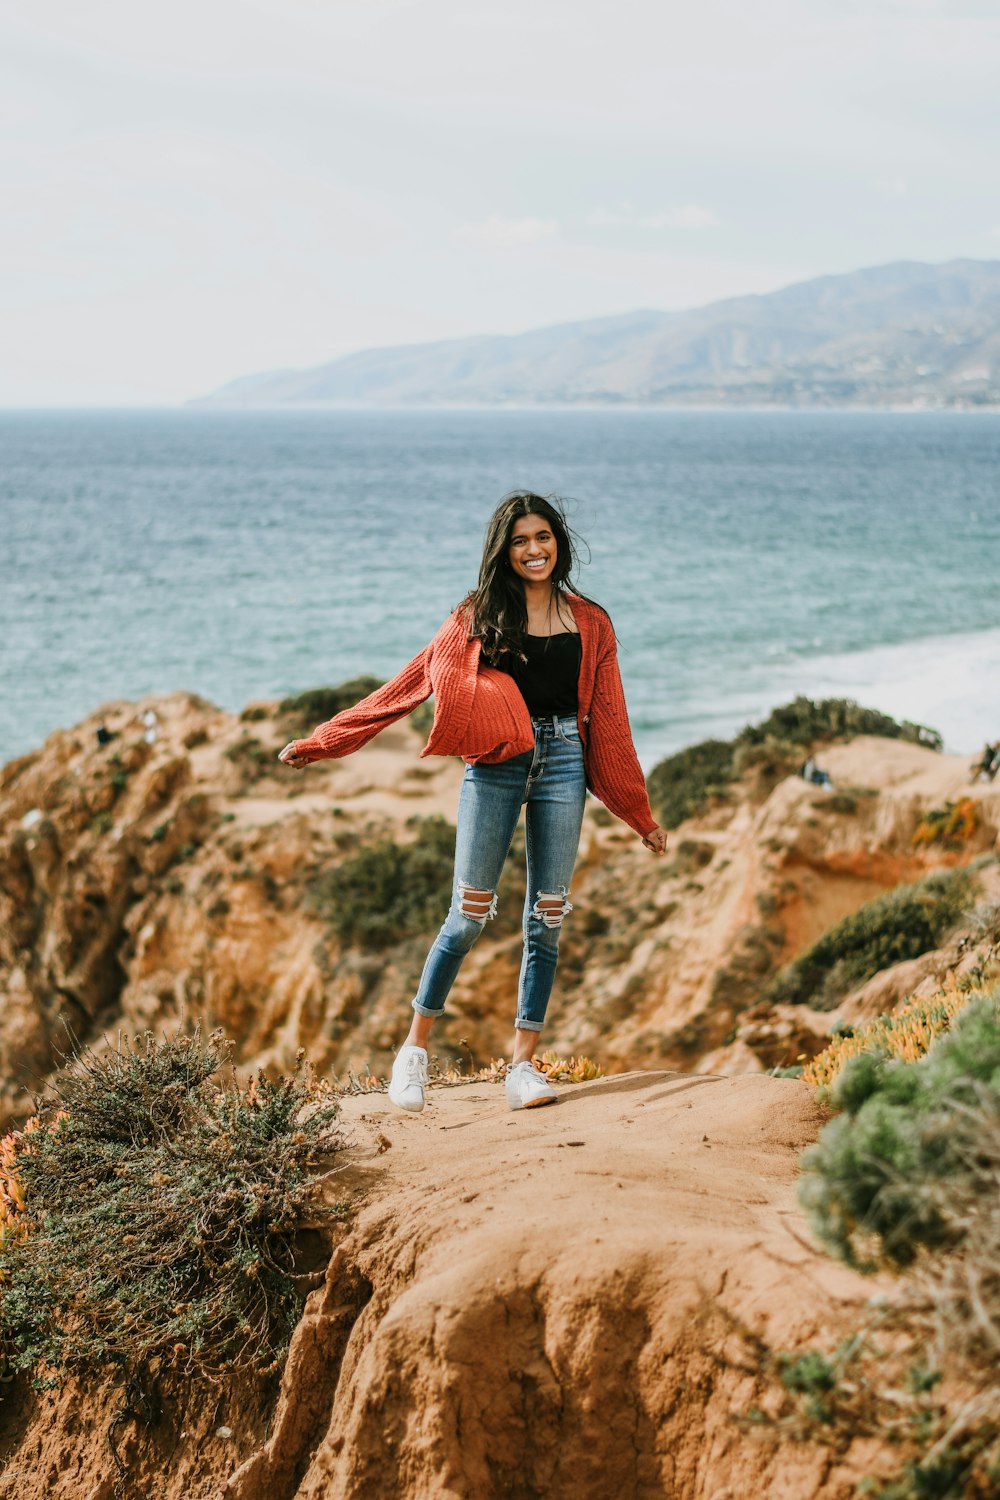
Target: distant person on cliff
[527,691]
[810,771]
[988,764]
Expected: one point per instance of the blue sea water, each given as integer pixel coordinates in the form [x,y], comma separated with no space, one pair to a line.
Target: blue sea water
[744,556]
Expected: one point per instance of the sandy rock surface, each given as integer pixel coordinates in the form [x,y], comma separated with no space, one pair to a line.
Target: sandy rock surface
[519,1309]
[517,1304]
[169,877]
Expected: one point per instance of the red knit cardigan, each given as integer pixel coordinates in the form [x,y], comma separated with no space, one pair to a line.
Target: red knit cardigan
[479,712]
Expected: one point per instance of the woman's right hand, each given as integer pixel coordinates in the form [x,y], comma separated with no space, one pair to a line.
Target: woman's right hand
[656,840]
[290,758]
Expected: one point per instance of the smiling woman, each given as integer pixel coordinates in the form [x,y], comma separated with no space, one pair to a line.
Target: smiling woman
[527,690]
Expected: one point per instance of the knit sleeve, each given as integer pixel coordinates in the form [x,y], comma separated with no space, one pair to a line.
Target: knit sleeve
[354,727]
[615,773]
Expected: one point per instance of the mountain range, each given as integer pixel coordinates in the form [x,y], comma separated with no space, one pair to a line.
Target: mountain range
[906,334]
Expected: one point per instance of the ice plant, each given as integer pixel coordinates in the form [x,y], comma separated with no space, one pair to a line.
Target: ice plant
[952,824]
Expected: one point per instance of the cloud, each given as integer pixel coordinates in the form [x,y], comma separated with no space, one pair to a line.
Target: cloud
[499,233]
[685,216]
[968,10]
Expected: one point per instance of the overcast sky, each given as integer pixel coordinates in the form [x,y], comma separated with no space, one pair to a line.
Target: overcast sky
[198,189]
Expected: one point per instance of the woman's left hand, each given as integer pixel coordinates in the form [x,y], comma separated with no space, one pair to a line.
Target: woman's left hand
[656,840]
[289,757]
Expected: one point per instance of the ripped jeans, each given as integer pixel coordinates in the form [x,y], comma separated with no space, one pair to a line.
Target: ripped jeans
[550,783]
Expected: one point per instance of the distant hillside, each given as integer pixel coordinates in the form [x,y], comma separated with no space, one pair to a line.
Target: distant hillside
[906,334]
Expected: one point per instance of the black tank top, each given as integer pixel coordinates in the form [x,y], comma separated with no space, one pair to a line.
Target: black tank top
[548,679]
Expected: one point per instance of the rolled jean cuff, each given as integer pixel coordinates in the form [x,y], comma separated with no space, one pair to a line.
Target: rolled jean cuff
[523,1025]
[426,1010]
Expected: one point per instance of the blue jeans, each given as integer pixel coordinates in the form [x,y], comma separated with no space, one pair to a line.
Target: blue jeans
[550,783]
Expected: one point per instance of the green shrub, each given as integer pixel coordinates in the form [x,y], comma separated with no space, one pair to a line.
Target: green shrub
[389,891]
[872,1184]
[769,760]
[908,1177]
[161,1214]
[805,722]
[306,710]
[901,924]
[684,784]
[250,756]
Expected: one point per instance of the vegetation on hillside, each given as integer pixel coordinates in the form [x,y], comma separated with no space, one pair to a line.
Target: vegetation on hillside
[685,784]
[153,1211]
[951,825]
[305,710]
[873,1182]
[900,924]
[388,891]
[906,1034]
[906,1178]
[301,714]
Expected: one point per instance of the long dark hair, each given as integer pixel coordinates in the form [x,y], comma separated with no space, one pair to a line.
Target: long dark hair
[497,612]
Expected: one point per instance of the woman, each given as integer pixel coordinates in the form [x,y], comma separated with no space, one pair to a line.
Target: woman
[526,689]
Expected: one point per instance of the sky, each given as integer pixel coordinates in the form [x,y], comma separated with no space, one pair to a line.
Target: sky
[205,189]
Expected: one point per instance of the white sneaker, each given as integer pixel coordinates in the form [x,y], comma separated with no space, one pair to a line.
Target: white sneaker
[526,1087]
[409,1078]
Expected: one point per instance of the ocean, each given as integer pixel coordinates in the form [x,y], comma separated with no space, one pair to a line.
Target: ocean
[743,556]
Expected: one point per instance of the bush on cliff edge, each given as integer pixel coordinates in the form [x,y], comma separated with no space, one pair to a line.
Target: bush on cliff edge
[901,924]
[684,784]
[874,1183]
[160,1213]
[390,891]
[907,1178]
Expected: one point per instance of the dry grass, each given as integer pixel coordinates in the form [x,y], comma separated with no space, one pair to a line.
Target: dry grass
[951,825]
[451,1075]
[152,1210]
[907,1033]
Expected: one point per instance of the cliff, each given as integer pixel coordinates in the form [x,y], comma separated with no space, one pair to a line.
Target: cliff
[512,1304]
[189,879]
[521,1305]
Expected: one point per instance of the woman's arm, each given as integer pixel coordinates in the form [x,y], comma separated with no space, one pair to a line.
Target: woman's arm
[354,727]
[615,773]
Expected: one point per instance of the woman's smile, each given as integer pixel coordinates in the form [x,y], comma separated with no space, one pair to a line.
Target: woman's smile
[533,549]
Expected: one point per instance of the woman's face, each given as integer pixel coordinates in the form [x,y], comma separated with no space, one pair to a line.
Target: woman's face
[533,549]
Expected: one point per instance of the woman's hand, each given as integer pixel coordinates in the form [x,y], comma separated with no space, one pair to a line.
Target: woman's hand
[290,758]
[656,840]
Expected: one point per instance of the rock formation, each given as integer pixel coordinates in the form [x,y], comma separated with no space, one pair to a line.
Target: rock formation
[523,1305]
[174,874]
[520,1305]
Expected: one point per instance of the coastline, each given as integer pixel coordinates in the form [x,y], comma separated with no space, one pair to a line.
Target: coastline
[204,404]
